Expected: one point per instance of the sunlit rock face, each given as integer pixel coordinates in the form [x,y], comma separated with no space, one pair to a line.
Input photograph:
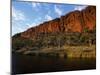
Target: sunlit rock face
[75,21]
[89,17]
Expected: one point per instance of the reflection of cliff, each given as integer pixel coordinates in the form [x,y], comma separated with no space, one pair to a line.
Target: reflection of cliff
[76,21]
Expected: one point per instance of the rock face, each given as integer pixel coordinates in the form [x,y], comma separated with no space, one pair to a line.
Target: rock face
[89,17]
[75,21]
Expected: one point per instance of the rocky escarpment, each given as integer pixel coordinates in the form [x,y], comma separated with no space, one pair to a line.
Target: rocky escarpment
[75,21]
[71,35]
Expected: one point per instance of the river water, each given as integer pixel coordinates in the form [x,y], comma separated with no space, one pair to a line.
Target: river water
[23,64]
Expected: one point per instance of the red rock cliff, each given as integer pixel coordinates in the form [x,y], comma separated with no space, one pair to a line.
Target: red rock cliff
[75,21]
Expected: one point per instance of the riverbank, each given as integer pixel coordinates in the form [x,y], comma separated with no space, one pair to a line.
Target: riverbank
[63,52]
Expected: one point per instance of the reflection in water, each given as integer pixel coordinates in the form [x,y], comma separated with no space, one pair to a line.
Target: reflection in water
[22,64]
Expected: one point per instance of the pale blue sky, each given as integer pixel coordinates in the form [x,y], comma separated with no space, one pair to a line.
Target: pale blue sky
[29,14]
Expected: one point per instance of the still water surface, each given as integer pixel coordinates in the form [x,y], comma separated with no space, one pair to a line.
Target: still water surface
[22,64]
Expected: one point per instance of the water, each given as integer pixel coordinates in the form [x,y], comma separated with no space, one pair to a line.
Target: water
[22,64]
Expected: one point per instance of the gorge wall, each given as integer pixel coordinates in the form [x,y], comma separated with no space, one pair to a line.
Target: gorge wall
[75,21]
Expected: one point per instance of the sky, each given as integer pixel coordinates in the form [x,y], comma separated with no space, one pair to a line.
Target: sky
[30,14]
